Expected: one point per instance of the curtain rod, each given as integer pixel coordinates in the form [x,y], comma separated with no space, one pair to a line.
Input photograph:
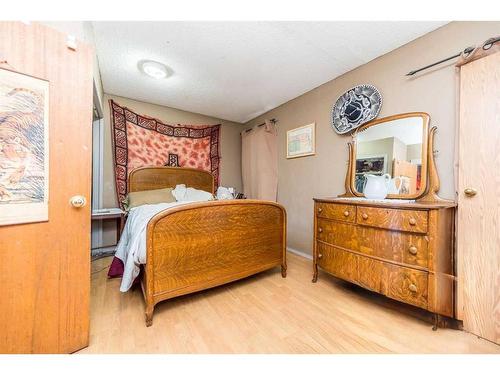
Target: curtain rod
[273,120]
[466,52]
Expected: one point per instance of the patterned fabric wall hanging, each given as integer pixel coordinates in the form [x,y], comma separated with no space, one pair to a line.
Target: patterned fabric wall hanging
[140,141]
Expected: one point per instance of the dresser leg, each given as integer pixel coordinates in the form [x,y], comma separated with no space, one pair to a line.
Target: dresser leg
[149,316]
[315,273]
[283,270]
[436,322]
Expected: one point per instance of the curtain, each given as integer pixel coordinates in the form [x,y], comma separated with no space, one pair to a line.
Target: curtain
[259,158]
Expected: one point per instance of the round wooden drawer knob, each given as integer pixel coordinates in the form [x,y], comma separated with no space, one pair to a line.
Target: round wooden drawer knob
[364,216]
[413,221]
[320,256]
[320,210]
[413,288]
[412,250]
[320,230]
[346,213]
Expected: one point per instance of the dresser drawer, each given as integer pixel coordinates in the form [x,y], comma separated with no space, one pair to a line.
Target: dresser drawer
[370,273]
[400,283]
[340,263]
[338,234]
[414,249]
[411,249]
[342,212]
[406,285]
[394,219]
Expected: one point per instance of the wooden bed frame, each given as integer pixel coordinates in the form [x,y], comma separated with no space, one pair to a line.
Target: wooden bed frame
[202,245]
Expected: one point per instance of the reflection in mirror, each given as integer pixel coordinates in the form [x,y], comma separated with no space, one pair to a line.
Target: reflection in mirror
[394,148]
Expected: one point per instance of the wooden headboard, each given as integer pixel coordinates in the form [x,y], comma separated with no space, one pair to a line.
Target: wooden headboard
[149,178]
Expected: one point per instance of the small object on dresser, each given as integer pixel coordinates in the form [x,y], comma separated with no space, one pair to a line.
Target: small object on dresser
[377,187]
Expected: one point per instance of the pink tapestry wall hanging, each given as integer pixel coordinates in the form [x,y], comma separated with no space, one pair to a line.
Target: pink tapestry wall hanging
[140,141]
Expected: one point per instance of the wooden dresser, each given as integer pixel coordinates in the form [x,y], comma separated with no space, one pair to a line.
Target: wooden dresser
[402,250]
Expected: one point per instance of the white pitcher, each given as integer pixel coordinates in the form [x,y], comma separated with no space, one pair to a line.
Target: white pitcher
[377,187]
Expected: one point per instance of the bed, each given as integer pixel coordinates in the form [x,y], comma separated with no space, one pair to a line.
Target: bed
[205,244]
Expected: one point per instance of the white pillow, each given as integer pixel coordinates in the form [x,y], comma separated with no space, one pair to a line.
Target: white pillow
[224,193]
[183,194]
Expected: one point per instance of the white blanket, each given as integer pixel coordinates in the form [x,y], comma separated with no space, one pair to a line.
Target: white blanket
[131,248]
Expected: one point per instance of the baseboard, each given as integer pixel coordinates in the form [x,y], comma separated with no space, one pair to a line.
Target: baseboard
[299,253]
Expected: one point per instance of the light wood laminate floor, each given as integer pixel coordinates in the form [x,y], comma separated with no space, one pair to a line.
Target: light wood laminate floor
[267,314]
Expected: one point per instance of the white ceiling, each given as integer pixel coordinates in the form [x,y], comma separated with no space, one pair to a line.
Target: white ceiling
[239,70]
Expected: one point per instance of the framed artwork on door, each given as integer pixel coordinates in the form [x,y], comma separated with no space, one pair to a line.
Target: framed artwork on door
[301,141]
[24,148]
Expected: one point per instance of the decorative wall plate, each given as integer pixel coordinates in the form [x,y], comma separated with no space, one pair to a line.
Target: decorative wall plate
[356,107]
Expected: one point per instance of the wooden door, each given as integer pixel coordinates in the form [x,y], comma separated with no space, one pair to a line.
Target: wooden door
[45,267]
[478,236]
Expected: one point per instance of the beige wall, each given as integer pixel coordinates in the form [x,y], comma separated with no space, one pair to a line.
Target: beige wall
[434,91]
[230,148]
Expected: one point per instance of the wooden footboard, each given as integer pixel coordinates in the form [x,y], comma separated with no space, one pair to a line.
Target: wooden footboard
[202,245]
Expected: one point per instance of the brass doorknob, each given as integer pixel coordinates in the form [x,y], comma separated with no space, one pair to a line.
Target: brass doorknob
[364,216]
[320,256]
[413,250]
[320,230]
[470,192]
[346,213]
[413,288]
[413,221]
[78,201]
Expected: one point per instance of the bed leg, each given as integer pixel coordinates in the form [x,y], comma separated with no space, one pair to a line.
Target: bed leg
[283,270]
[149,316]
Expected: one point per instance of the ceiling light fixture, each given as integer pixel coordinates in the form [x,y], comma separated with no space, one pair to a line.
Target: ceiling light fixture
[153,69]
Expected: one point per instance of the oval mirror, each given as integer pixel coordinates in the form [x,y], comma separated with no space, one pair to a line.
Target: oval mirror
[395,146]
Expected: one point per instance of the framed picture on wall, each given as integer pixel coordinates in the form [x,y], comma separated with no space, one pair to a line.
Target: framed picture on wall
[301,141]
[24,148]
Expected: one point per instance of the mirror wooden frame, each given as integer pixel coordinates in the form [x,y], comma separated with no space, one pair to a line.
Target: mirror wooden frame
[430,179]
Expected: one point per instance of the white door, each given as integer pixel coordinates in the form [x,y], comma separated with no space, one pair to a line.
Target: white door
[478,236]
